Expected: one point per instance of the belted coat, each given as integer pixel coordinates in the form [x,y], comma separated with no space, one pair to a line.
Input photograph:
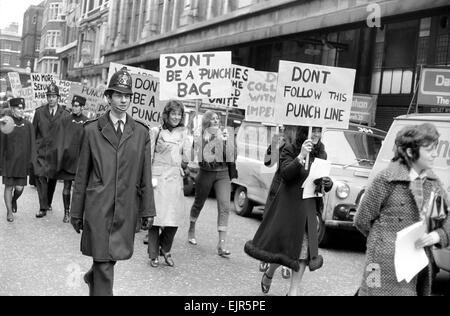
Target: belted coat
[113,187]
[388,207]
[46,129]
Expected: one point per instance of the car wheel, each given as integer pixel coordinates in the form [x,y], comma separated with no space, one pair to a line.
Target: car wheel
[323,234]
[188,186]
[242,204]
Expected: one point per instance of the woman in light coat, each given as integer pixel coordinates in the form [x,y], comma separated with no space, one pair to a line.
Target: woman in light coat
[172,147]
[391,204]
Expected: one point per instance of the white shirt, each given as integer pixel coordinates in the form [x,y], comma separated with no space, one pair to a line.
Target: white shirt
[116,120]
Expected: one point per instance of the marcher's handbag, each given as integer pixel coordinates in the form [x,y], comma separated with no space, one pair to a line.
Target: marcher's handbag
[437,211]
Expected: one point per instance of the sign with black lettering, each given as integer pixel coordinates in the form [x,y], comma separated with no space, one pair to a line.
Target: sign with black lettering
[39,83]
[314,95]
[64,90]
[195,76]
[14,80]
[115,67]
[145,104]
[95,102]
[239,78]
[259,96]
[434,88]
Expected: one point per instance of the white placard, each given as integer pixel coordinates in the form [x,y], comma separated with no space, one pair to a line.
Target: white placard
[314,95]
[39,83]
[194,76]
[115,67]
[95,101]
[16,85]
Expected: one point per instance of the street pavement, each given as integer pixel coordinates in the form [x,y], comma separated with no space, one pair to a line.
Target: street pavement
[42,257]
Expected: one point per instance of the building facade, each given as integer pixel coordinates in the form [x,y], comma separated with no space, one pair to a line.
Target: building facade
[31,36]
[52,35]
[92,36]
[10,45]
[385,41]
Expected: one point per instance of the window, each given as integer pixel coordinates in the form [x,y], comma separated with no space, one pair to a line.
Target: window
[6,59]
[34,21]
[53,39]
[38,44]
[54,11]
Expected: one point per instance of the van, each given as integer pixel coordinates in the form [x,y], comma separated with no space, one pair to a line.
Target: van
[442,162]
[352,153]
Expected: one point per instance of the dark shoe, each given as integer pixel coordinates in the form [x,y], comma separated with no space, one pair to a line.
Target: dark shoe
[192,241]
[50,209]
[285,273]
[167,258]
[154,263]
[315,263]
[14,206]
[266,287]
[263,266]
[41,213]
[88,280]
[222,251]
[66,217]
[10,218]
[145,241]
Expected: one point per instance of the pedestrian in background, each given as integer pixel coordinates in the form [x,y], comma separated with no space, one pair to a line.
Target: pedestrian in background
[217,168]
[171,151]
[113,186]
[395,200]
[17,152]
[69,145]
[288,233]
[47,126]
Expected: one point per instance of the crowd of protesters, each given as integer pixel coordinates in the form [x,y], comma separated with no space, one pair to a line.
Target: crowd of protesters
[126,177]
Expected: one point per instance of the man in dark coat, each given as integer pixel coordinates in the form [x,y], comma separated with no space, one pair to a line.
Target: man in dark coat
[47,126]
[69,145]
[113,186]
[16,155]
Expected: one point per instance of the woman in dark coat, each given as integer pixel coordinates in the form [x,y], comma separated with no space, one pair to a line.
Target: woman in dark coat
[16,156]
[391,203]
[69,145]
[284,237]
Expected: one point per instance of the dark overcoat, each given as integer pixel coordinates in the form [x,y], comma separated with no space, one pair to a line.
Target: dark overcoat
[113,187]
[388,207]
[69,145]
[47,128]
[280,236]
[17,150]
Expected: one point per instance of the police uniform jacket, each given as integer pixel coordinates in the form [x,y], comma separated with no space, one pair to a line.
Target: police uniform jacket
[113,187]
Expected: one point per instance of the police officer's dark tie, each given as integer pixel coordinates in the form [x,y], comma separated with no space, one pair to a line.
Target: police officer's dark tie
[119,129]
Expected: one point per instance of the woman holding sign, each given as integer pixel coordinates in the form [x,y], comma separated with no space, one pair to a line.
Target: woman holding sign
[288,233]
[396,199]
[171,149]
[217,168]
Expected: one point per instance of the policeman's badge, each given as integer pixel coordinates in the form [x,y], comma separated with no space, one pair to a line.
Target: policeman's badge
[124,80]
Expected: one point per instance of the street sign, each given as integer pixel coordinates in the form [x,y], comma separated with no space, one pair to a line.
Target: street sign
[434,88]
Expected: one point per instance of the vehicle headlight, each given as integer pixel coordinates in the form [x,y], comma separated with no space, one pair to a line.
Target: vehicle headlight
[342,190]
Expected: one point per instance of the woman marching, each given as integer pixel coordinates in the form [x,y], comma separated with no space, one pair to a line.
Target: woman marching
[395,200]
[288,233]
[171,150]
[217,168]
[16,156]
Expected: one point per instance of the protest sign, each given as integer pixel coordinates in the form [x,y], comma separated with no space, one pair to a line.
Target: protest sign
[64,90]
[94,99]
[363,109]
[27,94]
[14,80]
[259,96]
[115,67]
[145,104]
[239,77]
[195,76]
[39,83]
[314,95]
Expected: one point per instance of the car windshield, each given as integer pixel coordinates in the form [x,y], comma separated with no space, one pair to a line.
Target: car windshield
[352,148]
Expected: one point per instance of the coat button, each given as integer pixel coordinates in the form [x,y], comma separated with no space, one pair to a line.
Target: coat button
[402,203]
[400,219]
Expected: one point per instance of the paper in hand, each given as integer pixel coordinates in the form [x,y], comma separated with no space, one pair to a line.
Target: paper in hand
[320,168]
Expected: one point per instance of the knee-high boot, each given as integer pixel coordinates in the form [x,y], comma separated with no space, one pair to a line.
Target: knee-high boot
[66,201]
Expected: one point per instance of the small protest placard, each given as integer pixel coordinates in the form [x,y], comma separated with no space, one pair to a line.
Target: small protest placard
[259,96]
[39,83]
[191,76]
[64,90]
[94,99]
[145,104]
[115,67]
[239,78]
[314,95]
[16,85]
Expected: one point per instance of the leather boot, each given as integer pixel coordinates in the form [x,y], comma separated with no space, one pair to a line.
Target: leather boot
[66,201]
[66,216]
[41,213]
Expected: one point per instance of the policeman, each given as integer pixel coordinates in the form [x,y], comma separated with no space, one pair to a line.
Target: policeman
[47,126]
[113,186]
[69,145]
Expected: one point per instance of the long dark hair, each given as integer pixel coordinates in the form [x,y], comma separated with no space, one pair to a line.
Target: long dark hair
[296,135]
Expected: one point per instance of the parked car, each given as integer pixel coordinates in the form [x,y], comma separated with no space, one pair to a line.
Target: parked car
[352,153]
[442,162]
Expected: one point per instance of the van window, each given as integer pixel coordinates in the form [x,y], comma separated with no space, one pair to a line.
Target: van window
[351,148]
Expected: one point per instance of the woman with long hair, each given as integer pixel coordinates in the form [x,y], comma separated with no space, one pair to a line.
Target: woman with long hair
[288,233]
[217,168]
[171,149]
[395,200]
